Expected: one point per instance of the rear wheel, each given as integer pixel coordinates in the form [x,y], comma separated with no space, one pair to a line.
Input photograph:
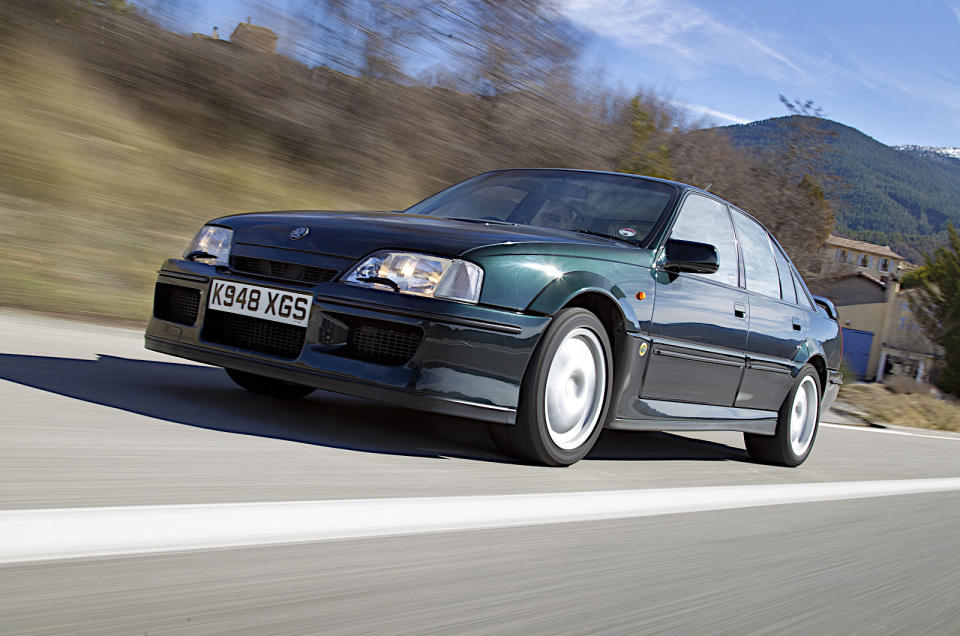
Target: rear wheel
[797,424]
[269,386]
[565,393]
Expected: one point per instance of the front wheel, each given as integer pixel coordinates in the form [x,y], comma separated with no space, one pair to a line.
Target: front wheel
[797,424]
[565,393]
[269,386]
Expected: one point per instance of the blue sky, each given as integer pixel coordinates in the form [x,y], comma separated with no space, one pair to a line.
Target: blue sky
[890,69]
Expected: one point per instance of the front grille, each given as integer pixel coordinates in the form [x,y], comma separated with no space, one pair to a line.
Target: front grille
[379,341]
[254,334]
[176,303]
[281,269]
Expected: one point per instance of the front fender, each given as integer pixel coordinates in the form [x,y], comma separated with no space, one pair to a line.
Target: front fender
[544,283]
[561,291]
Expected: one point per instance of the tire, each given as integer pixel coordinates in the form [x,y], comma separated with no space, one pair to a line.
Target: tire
[269,386]
[565,394]
[797,424]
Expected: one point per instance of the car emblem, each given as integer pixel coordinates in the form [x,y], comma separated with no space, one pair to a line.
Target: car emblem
[299,233]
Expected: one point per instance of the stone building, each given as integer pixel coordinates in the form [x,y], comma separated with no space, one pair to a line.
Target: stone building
[246,35]
[254,37]
[842,254]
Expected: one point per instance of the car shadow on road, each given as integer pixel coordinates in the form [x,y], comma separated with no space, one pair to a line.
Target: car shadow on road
[204,397]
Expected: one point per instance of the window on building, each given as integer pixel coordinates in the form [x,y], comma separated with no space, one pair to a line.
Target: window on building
[884,265]
[864,260]
[841,256]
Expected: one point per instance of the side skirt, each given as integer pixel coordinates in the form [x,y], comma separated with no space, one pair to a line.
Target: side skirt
[663,415]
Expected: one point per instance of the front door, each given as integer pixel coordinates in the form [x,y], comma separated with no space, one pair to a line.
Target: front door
[699,325]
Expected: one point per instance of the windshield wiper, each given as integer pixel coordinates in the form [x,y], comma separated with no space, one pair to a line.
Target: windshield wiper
[609,236]
[485,221]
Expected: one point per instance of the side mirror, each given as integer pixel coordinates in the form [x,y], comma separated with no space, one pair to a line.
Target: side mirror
[827,305]
[690,257]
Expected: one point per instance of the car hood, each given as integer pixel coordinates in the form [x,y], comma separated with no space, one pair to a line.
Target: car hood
[355,234]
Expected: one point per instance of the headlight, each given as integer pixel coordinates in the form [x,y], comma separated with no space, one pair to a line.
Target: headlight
[419,274]
[211,245]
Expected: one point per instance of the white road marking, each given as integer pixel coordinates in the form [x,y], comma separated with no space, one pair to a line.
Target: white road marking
[889,431]
[65,533]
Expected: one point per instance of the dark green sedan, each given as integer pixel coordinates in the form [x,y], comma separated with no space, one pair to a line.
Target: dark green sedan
[549,303]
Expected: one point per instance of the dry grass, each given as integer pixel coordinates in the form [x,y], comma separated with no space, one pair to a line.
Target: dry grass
[895,405]
[92,199]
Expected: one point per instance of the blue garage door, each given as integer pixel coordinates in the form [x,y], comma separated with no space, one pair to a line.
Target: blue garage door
[856,350]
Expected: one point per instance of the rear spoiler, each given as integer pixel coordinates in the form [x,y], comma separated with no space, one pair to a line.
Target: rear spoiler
[827,305]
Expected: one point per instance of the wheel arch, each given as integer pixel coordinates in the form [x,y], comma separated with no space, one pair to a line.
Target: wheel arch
[567,289]
[605,308]
[820,364]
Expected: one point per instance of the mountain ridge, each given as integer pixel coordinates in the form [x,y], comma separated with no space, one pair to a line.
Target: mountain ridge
[904,197]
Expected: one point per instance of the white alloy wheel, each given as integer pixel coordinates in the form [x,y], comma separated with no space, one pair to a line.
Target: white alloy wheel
[803,416]
[575,389]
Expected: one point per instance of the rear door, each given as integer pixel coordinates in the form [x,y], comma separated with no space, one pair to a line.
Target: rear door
[699,325]
[778,324]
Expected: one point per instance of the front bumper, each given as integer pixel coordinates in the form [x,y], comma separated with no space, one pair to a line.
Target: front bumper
[469,362]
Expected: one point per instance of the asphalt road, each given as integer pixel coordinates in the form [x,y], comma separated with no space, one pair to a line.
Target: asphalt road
[89,419]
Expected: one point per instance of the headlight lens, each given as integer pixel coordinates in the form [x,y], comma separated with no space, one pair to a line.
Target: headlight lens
[419,274]
[211,245]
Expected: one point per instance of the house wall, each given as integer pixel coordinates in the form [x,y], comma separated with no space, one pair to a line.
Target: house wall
[903,331]
[866,317]
[837,258]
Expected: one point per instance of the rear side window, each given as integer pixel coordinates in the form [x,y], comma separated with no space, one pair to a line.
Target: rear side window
[706,220]
[787,291]
[802,298]
[758,259]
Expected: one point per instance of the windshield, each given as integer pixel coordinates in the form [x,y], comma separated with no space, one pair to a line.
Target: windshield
[617,206]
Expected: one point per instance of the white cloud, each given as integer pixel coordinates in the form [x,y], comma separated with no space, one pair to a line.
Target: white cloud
[956,12]
[709,112]
[679,34]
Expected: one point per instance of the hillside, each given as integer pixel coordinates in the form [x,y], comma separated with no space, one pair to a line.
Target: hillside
[904,198]
[947,155]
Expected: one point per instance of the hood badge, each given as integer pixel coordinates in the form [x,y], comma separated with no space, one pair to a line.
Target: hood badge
[298,233]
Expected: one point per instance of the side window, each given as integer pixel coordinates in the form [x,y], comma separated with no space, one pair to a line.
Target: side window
[802,299]
[707,221]
[787,291]
[758,259]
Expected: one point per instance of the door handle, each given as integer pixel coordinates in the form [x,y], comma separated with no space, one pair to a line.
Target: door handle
[739,310]
[797,325]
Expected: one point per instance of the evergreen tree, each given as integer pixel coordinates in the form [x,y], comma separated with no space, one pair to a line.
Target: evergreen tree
[936,305]
[648,154]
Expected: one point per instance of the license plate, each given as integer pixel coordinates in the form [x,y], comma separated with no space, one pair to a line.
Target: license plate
[279,305]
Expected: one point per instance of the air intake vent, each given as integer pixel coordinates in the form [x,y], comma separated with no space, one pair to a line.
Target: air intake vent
[253,334]
[281,270]
[379,341]
[176,303]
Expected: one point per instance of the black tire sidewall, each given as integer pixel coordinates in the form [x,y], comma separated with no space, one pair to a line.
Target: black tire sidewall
[531,418]
[783,419]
